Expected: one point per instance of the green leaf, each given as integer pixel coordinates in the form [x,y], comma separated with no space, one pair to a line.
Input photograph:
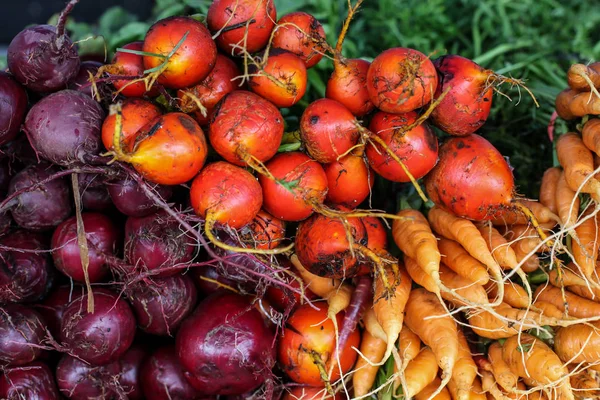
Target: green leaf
[131,32]
[113,19]
[524,348]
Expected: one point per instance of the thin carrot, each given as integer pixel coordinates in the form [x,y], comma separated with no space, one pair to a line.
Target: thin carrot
[577,306]
[567,202]
[567,277]
[372,326]
[419,373]
[515,216]
[477,392]
[585,246]
[579,343]
[409,344]
[489,385]
[433,392]
[465,370]
[389,309]
[501,371]
[365,372]
[525,238]
[499,246]
[527,356]
[439,333]
[583,384]
[583,77]
[577,163]
[548,188]
[514,294]
[590,134]
[571,104]
[461,262]
[529,261]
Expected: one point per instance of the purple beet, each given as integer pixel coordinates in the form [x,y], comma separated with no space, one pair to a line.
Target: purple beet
[157,241]
[132,201]
[33,381]
[80,81]
[161,305]
[43,57]
[45,207]
[53,307]
[129,376]
[80,381]
[206,277]
[13,106]
[225,346]
[94,194]
[102,238]
[102,337]
[22,331]
[162,377]
[64,128]
[24,276]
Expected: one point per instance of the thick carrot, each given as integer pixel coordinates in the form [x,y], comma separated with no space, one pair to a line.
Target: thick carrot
[372,326]
[548,188]
[592,294]
[414,238]
[389,309]
[568,276]
[590,134]
[501,371]
[433,392]
[465,370]
[419,372]
[461,262]
[498,246]
[577,306]
[579,343]
[577,163]
[365,373]
[527,356]
[488,325]
[581,76]
[571,104]
[514,294]
[567,202]
[586,243]
[547,309]
[439,333]
[541,213]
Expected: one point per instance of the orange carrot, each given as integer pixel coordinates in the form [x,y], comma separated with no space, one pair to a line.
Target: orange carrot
[586,243]
[569,276]
[567,202]
[439,333]
[584,291]
[578,306]
[414,238]
[372,326]
[577,163]
[501,371]
[571,104]
[548,188]
[465,370]
[461,262]
[583,384]
[488,325]
[433,392]
[409,344]
[499,246]
[581,76]
[489,385]
[525,238]
[541,213]
[579,343]
[477,392]
[548,309]
[364,372]
[591,135]
[389,309]
[529,261]
[420,372]
[514,294]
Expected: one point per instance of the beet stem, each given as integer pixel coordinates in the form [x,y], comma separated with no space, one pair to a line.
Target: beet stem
[82,243]
[62,19]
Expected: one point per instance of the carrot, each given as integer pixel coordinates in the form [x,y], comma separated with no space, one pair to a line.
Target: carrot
[525,239]
[585,245]
[372,326]
[541,213]
[389,309]
[477,392]
[337,294]
[461,262]
[577,163]
[439,333]
[590,134]
[501,371]
[419,373]
[577,306]
[584,291]
[488,325]
[567,202]
[514,295]
[583,77]
[465,370]
[365,372]
[548,188]
[498,245]
[414,238]
[489,385]
[567,277]
[583,384]
[579,343]
[571,104]
[527,356]
[548,309]
[529,261]
[409,344]
[433,392]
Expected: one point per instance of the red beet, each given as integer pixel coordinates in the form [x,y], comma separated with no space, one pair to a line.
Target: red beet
[348,85]
[206,276]
[102,236]
[24,277]
[46,206]
[80,81]
[132,201]
[33,381]
[162,377]
[64,128]
[129,376]
[94,194]
[300,33]
[161,305]
[101,337]
[53,307]
[226,338]
[22,331]
[80,381]
[157,241]
[13,106]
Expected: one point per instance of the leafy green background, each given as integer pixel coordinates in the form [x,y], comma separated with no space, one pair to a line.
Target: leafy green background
[535,40]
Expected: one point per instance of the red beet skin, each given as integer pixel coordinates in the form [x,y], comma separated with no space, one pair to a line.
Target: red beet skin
[225,346]
[162,377]
[21,332]
[13,106]
[33,381]
[80,381]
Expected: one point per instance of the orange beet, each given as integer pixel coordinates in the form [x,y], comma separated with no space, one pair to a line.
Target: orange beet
[349,180]
[264,232]
[348,85]
[128,64]
[137,113]
[300,33]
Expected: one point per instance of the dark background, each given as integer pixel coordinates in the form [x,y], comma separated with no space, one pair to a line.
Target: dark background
[16,14]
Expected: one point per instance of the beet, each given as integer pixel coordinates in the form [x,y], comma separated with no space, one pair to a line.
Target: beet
[21,332]
[162,377]
[94,193]
[33,381]
[53,307]
[101,337]
[80,381]
[129,376]
[225,346]
[46,206]
[207,287]
[102,237]
[6,174]
[132,201]
[43,58]
[80,81]
[157,241]
[13,106]
[162,305]
[65,128]
[24,276]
